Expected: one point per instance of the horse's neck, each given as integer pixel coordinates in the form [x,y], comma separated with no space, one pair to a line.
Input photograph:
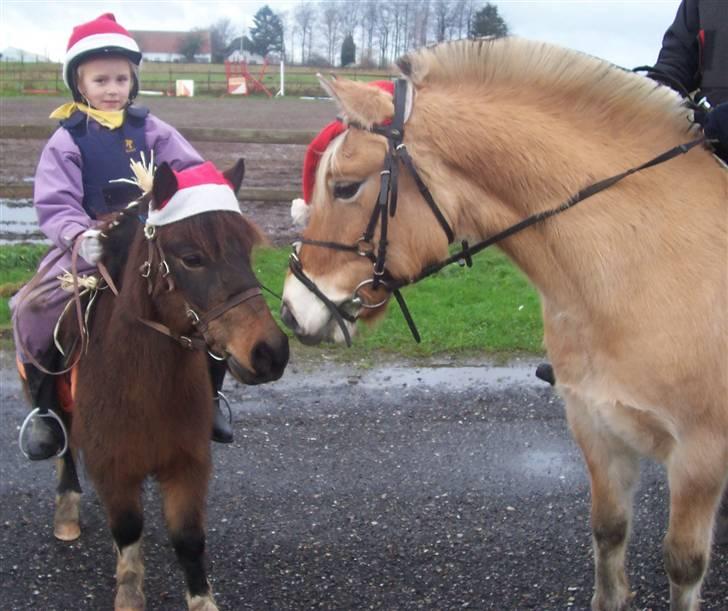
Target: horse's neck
[499,168]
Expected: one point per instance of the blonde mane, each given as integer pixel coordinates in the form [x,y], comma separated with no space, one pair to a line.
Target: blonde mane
[523,65]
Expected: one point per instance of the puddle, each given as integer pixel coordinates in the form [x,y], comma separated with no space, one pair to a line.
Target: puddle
[18,222]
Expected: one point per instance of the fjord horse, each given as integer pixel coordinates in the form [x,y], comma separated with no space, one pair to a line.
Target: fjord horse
[633,282]
[143,396]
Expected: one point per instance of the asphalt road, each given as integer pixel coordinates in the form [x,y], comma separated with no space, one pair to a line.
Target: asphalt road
[388,488]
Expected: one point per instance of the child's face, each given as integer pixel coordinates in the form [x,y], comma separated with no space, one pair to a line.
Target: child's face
[105,82]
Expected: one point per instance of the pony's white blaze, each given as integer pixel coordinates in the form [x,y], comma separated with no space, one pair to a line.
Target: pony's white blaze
[314,321]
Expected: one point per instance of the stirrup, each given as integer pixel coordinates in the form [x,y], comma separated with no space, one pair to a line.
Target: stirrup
[47,414]
[227,405]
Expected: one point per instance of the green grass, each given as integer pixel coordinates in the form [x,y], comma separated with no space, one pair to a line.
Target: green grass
[488,308]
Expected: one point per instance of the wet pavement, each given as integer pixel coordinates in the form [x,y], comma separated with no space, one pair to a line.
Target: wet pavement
[449,485]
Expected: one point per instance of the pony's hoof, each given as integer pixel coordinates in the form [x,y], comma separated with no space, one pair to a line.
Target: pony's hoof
[67,531]
[129,598]
[201,603]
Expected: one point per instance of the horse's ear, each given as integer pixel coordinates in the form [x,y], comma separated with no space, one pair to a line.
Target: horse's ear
[359,102]
[236,174]
[165,185]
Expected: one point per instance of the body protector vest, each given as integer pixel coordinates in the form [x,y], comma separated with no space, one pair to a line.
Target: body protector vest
[105,156]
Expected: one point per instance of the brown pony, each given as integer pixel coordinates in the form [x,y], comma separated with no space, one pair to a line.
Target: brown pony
[143,397]
[633,282]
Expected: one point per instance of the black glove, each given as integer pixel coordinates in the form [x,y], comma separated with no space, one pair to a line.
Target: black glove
[715,127]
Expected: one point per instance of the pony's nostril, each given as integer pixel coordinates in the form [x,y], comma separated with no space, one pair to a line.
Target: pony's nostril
[288,318]
[269,360]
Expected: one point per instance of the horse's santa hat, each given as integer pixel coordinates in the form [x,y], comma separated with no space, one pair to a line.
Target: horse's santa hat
[201,188]
[299,207]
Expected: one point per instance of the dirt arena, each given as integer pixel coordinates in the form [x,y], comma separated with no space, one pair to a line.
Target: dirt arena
[270,166]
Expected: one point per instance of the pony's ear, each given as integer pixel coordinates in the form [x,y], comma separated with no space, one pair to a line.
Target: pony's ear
[236,174]
[165,185]
[359,102]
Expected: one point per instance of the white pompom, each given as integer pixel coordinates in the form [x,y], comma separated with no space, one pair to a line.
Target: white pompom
[299,212]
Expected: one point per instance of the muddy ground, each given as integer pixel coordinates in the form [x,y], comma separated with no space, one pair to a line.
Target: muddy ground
[270,166]
[429,486]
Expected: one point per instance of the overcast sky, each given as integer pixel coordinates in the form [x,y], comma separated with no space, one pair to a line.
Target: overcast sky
[625,32]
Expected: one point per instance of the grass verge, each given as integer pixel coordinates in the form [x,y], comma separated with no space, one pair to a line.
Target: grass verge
[489,308]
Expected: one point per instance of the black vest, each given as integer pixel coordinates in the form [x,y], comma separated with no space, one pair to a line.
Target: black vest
[105,156]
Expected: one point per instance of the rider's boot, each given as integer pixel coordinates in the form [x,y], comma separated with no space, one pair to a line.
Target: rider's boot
[545,372]
[45,437]
[222,430]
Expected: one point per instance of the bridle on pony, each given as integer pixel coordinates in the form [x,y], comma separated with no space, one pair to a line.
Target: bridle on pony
[386,207]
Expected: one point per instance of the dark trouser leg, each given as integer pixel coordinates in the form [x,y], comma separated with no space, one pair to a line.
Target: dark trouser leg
[222,431]
[45,437]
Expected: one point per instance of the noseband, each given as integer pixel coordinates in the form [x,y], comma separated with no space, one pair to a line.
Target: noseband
[386,206]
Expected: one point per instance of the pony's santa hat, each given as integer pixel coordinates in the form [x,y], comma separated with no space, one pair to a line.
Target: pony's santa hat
[299,207]
[200,189]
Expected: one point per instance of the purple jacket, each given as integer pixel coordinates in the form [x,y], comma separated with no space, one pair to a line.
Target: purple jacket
[58,191]
[58,197]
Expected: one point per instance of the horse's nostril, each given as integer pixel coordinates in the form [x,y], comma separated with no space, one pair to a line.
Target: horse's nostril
[288,318]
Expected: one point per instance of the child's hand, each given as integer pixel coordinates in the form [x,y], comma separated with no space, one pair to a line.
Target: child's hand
[91,249]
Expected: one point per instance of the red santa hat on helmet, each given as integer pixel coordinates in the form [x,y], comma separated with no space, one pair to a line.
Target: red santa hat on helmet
[200,189]
[97,37]
[314,152]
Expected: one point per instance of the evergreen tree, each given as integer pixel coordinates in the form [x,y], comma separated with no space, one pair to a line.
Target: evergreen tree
[348,50]
[487,22]
[267,33]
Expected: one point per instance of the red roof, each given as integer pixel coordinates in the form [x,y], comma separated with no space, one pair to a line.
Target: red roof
[150,41]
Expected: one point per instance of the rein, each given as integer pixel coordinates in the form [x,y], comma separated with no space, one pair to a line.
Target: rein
[386,207]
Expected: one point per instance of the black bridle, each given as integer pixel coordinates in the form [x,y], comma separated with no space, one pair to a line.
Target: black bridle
[386,206]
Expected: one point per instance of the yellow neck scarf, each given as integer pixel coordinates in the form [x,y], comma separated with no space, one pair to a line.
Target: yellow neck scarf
[111,119]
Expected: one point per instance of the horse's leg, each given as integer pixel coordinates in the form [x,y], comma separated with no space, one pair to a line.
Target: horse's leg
[613,473]
[124,509]
[68,498]
[721,528]
[184,490]
[696,472]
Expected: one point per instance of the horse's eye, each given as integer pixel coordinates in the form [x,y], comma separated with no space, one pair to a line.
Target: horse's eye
[346,190]
[192,261]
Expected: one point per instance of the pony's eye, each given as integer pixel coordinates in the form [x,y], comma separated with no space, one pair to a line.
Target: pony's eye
[346,190]
[192,261]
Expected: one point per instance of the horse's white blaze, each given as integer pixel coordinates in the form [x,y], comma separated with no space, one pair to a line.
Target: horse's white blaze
[313,317]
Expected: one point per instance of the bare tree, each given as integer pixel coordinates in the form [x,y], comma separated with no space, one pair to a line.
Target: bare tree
[305,15]
[370,19]
[222,33]
[329,15]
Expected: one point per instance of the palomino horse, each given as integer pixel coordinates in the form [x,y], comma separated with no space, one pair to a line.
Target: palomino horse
[633,282]
[143,394]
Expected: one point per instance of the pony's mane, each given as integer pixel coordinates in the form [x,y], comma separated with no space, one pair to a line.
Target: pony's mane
[547,69]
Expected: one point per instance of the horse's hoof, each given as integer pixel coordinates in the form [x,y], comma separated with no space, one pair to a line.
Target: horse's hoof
[201,603]
[67,531]
[129,598]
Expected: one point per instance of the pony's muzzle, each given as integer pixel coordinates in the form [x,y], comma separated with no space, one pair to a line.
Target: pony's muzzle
[268,360]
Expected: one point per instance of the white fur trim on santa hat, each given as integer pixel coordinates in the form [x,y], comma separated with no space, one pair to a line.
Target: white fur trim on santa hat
[299,212]
[195,200]
[99,41]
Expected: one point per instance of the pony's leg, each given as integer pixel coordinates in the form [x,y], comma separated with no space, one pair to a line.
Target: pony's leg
[184,493]
[696,476]
[66,525]
[124,508]
[613,473]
